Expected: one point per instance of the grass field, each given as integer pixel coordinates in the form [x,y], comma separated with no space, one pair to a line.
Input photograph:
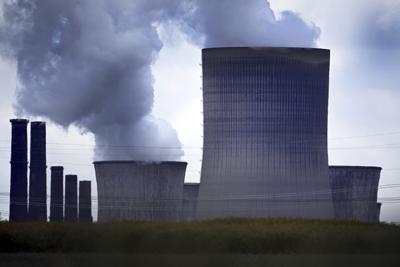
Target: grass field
[196,260]
[237,236]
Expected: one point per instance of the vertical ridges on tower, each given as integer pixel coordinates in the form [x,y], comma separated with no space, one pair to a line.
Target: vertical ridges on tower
[189,201]
[57,194]
[71,198]
[265,133]
[85,201]
[19,170]
[37,177]
[354,192]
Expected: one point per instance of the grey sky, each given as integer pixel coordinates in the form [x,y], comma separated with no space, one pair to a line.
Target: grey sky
[364,96]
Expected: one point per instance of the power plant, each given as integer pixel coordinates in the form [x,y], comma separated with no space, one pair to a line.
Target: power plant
[264,154]
[354,191]
[57,194]
[19,170]
[189,201]
[265,133]
[71,198]
[137,190]
[37,177]
[85,202]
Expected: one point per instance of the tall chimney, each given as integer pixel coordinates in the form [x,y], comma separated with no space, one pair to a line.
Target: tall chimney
[57,194]
[71,198]
[37,178]
[19,171]
[85,201]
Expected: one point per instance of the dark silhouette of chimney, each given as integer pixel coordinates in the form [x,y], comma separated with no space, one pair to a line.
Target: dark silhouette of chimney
[57,194]
[71,198]
[37,177]
[85,202]
[19,171]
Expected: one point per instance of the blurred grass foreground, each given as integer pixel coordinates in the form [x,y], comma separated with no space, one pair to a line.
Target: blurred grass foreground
[237,236]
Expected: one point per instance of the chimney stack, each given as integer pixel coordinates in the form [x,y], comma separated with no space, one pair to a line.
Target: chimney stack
[37,178]
[85,202]
[57,194]
[71,201]
[19,171]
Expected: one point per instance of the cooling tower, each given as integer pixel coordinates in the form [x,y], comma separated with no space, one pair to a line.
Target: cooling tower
[71,198]
[189,201]
[354,192]
[265,133]
[135,190]
[19,170]
[37,175]
[85,202]
[57,194]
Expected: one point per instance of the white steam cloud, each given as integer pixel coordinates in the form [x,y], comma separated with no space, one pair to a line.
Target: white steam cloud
[88,62]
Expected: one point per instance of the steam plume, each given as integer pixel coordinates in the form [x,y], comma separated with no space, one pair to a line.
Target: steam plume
[88,62]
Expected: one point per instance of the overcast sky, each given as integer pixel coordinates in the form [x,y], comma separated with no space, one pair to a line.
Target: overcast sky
[364,102]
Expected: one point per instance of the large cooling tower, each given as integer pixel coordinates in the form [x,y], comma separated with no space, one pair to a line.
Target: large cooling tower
[354,191]
[19,171]
[135,190]
[265,133]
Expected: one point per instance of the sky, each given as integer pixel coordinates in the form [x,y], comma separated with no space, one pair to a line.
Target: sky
[364,110]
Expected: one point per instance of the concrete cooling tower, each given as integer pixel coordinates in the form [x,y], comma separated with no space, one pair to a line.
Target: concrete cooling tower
[354,191]
[189,201]
[265,133]
[136,190]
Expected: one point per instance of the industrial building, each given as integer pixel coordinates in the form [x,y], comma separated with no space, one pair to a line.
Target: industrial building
[354,191]
[139,190]
[265,133]
[57,194]
[189,201]
[19,171]
[85,202]
[71,198]
[37,173]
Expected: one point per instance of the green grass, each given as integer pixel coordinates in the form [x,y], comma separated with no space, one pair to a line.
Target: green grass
[237,236]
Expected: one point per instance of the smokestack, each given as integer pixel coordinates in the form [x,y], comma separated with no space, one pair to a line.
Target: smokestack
[19,170]
[37,177]
[57,194]
[85,201]
[71,198]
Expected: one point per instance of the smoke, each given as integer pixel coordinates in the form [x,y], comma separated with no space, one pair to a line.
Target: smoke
[88,62]
[246,23]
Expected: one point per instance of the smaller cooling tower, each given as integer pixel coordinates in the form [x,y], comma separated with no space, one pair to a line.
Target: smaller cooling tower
[189,201]
[139,190]
[57,194]
[354,192]
[19,171]
[37,175]
[85,202]
[71,198]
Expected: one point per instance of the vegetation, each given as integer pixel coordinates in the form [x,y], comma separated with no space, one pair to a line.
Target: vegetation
[238,236]
[196,260]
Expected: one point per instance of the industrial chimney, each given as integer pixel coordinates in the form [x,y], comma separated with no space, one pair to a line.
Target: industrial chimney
[57,194]
[71,198]
[37,177]
[19,170]
[85,201]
